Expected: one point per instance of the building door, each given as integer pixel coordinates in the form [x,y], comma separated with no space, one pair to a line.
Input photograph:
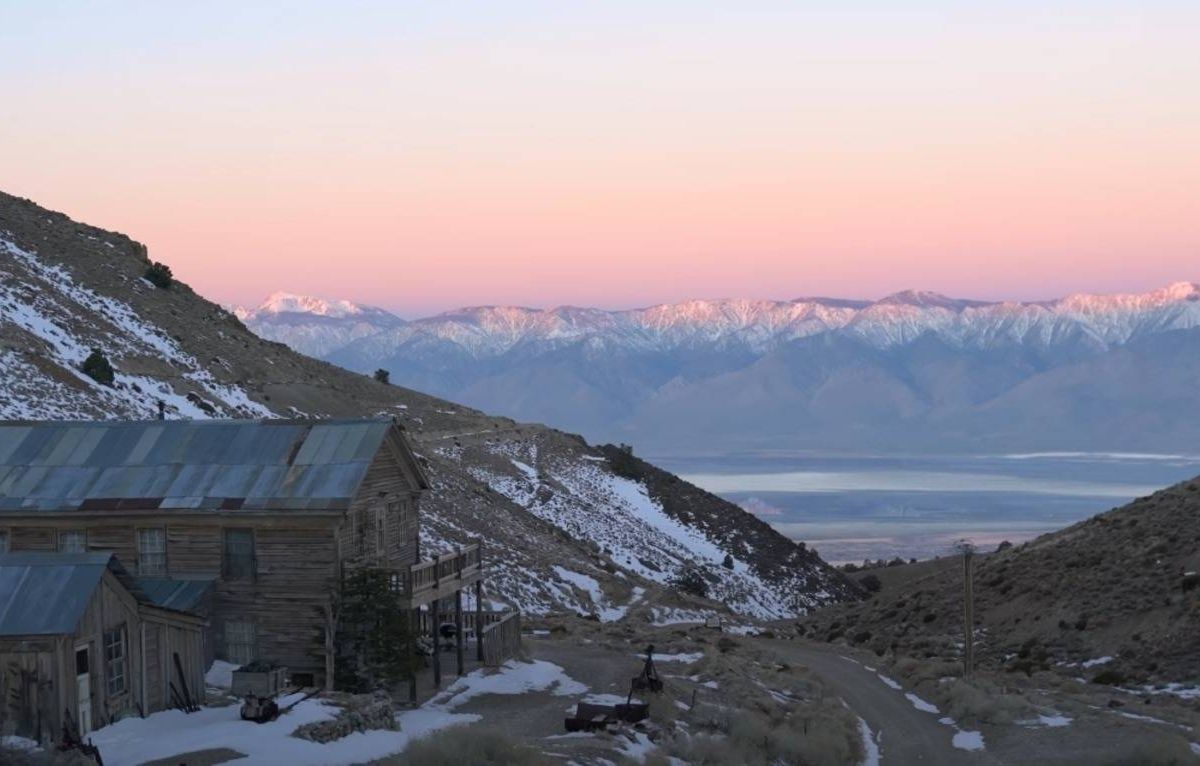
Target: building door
[83,687]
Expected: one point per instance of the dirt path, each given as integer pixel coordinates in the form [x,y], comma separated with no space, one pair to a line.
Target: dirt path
[906,735]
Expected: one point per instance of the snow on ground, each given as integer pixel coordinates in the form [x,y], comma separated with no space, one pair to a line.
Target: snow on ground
[682,657]
[870,741]
[18,743]
[1095,662]
[586,500]
[920,704]
[514,678]
[1050,721]
[220,674]
[171,732]
[69,320]
[671,616]
[890,683]
[1173,689]
[636,746]
[967,740]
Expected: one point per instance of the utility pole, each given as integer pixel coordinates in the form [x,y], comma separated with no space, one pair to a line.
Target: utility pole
[967,549]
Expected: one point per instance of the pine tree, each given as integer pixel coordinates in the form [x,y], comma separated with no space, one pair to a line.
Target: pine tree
[98,368]
[159,275]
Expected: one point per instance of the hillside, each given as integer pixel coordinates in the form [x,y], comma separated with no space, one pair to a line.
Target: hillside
[1105,596]
[915,371]
[563,530]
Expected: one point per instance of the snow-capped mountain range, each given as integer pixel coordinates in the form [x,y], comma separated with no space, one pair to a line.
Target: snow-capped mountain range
[916,369]
[490,331]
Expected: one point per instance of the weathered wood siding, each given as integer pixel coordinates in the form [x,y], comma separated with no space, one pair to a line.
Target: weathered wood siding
[386,494]
[286,602]
[111,607]
[33,537]
[28,689]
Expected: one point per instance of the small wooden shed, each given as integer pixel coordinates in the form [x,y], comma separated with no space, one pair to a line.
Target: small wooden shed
[82,644]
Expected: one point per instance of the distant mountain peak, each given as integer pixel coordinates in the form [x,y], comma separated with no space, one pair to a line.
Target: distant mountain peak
[927,299]
[282,302]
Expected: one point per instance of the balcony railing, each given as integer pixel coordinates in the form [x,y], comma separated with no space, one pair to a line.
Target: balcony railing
[439,576]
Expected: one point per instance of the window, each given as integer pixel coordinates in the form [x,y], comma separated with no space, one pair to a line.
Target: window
[241,644]
[381,531]
[72,541]
[239,554]
[152,552]
[359,532]
[3,541]
[114,661]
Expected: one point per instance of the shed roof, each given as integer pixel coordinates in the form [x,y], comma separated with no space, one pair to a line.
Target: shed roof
[47,593]
[189,464]
[179,595]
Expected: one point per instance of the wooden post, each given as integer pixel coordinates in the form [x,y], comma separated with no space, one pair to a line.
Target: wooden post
[458,630]
[968,614]
[330,629]
[479,620]
[435,622]
[414,624]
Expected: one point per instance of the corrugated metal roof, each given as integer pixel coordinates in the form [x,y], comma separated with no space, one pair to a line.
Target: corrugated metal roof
[186,464]
[47,593]
[180,595]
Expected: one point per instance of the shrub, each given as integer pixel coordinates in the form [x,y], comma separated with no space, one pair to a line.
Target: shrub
[871,583]
[382,376]
[98,368]
[1109,677]
[159,275]
[486,747]
[692,582]
[728,562]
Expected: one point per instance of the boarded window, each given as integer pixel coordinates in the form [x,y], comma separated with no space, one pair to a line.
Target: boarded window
[359,532]
[239,560]
[152,552]
[114,661]
[381,530]
[72,541]
[241,642]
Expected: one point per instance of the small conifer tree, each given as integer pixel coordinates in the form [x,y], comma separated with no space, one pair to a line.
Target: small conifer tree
[159,275]
[98,368]
[383,376]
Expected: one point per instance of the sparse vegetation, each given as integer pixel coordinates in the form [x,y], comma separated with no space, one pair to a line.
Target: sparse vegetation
[483,747]
[98,368]
[159,275]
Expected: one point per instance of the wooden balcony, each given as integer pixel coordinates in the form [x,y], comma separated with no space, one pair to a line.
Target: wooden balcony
[440,576]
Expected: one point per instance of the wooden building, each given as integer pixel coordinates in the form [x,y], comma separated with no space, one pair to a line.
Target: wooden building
[272,512]
[82,644]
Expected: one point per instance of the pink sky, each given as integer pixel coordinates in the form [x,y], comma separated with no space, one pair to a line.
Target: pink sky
[618,158]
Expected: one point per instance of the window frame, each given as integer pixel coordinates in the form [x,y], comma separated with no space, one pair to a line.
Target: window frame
[247,632]
[115,646]
[65,533]
[227,570]
[163,571]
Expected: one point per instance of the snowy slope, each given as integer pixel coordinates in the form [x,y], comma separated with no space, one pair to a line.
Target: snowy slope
[65,321]
[66,289]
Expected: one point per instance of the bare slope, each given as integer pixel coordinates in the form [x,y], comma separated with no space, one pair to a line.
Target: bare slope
[564,531]
[1111,587]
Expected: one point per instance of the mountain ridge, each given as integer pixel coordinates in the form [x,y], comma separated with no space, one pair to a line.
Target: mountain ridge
[913,370]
